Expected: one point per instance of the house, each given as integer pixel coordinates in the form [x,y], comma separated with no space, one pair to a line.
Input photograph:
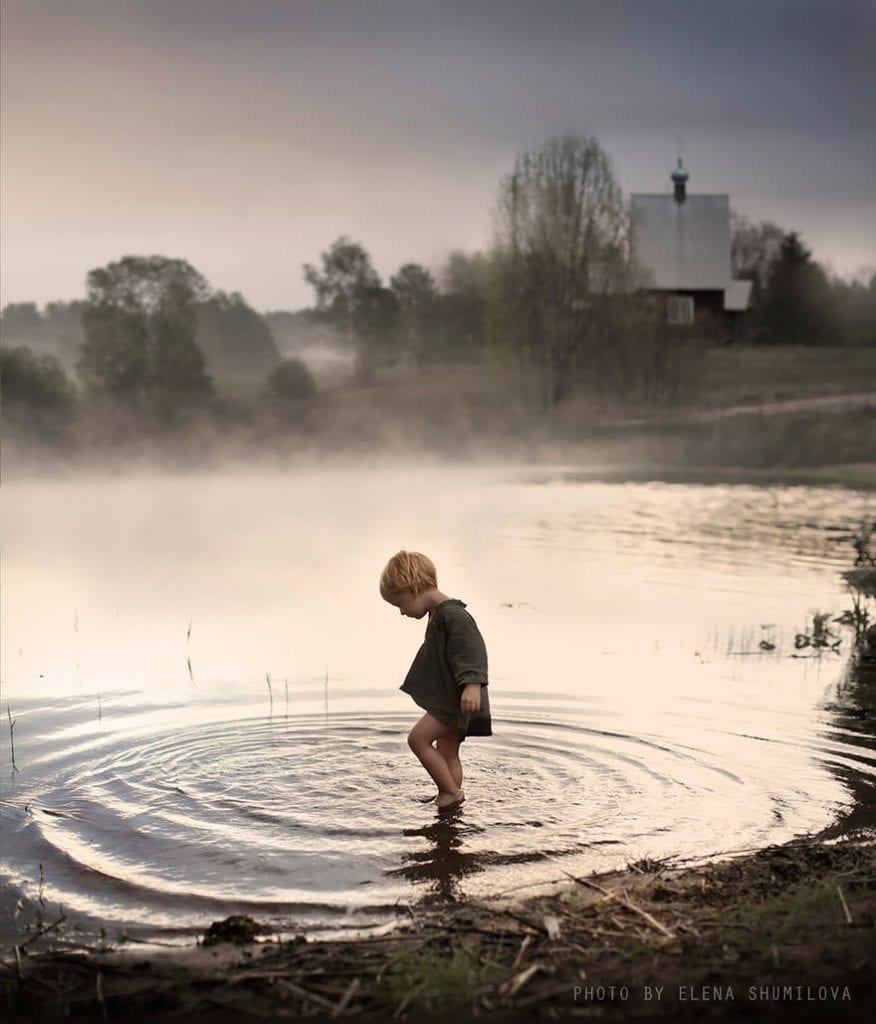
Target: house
[682,242]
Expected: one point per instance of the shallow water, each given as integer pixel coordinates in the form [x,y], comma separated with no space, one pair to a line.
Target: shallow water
[204,686]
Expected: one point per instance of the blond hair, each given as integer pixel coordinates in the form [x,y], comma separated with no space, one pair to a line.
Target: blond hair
[408,570]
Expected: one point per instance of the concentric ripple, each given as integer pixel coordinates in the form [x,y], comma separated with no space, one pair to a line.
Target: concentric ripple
[315,821]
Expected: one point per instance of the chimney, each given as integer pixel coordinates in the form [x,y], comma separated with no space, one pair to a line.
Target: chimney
[679,180]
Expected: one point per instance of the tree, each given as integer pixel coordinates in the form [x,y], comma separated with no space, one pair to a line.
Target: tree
[292,381]
[63,332]
[416,296]
[56,332]
[32,382]
[235,339]
[21,322]
[798,307]
[753,248]
[139,322]
[463,304]
[349,295]
[856,302]
[562,244]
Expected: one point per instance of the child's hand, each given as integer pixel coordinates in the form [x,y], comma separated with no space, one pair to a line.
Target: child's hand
[470,701]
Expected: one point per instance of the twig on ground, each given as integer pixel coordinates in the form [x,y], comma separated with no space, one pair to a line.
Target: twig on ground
[649,918]
[98,992]
[43,931]
[346,997]
[845,906]
[543,994]
[527,939]
[534,929]
[406,999]
[519,980]
[304,993]
[625,902]
[592,885]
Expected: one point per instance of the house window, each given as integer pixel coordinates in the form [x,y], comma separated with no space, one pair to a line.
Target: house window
[680,310]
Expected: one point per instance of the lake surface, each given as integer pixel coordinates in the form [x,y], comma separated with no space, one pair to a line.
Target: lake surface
[204,683]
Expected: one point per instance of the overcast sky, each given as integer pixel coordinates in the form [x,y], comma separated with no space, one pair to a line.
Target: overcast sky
[246,135]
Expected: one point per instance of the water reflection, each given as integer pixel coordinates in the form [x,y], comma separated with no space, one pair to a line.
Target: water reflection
[438,871]
[444,861]
[852,712]
[448,857]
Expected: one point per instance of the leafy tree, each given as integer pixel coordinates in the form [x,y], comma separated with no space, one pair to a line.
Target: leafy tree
[798,305]
[350,296]
[561,249]
[139,323]
[856,300]
[32,382]
[416,296]
[414,287]
[21,322]
[292,380]
[56,332]
[235,339]
[753,248]
[63,332]
[463,304]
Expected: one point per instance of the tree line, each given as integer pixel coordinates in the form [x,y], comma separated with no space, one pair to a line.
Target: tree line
[794,300]
[558,292]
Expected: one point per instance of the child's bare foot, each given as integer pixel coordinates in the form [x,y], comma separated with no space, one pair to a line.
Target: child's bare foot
[445,800]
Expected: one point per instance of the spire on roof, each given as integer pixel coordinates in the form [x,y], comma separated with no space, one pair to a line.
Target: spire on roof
[679,180]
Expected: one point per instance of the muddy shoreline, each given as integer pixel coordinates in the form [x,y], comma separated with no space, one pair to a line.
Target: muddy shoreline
[786,932]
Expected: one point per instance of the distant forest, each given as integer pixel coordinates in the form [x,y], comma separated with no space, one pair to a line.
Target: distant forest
[557,295]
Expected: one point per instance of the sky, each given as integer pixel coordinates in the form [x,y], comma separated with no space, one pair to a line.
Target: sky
[247,135]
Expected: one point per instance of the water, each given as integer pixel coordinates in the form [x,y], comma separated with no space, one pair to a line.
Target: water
[207,721]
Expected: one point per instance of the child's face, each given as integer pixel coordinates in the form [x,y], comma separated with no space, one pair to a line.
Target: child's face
[409,603]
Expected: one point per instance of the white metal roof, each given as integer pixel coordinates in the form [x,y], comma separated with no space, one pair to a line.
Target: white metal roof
[683,245]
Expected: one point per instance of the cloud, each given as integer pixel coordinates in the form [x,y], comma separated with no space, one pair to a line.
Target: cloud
[278,125]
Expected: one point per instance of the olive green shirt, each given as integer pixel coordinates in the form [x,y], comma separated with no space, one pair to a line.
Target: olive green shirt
[453,655]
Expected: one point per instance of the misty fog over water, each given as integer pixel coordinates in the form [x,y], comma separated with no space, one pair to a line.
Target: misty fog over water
[205,686]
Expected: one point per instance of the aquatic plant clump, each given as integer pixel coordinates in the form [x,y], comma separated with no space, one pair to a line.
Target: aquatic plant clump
[820,636]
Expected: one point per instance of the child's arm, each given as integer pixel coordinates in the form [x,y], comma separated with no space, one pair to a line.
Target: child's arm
[467,655]
[470,701]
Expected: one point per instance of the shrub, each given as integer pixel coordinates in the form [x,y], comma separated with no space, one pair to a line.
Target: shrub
[292,381]
[34,382]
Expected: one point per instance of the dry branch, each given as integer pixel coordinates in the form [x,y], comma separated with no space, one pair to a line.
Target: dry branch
[43,931]
[519,980]
[649,918]
[527,939]
[346,997]
[845,906]
[305,993]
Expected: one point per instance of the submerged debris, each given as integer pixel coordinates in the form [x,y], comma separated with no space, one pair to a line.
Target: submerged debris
[239,929]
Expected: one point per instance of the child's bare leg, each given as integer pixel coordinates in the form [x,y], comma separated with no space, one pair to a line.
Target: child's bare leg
[420,740]
[448,748]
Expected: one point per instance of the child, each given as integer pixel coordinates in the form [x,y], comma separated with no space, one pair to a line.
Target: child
[448,676]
